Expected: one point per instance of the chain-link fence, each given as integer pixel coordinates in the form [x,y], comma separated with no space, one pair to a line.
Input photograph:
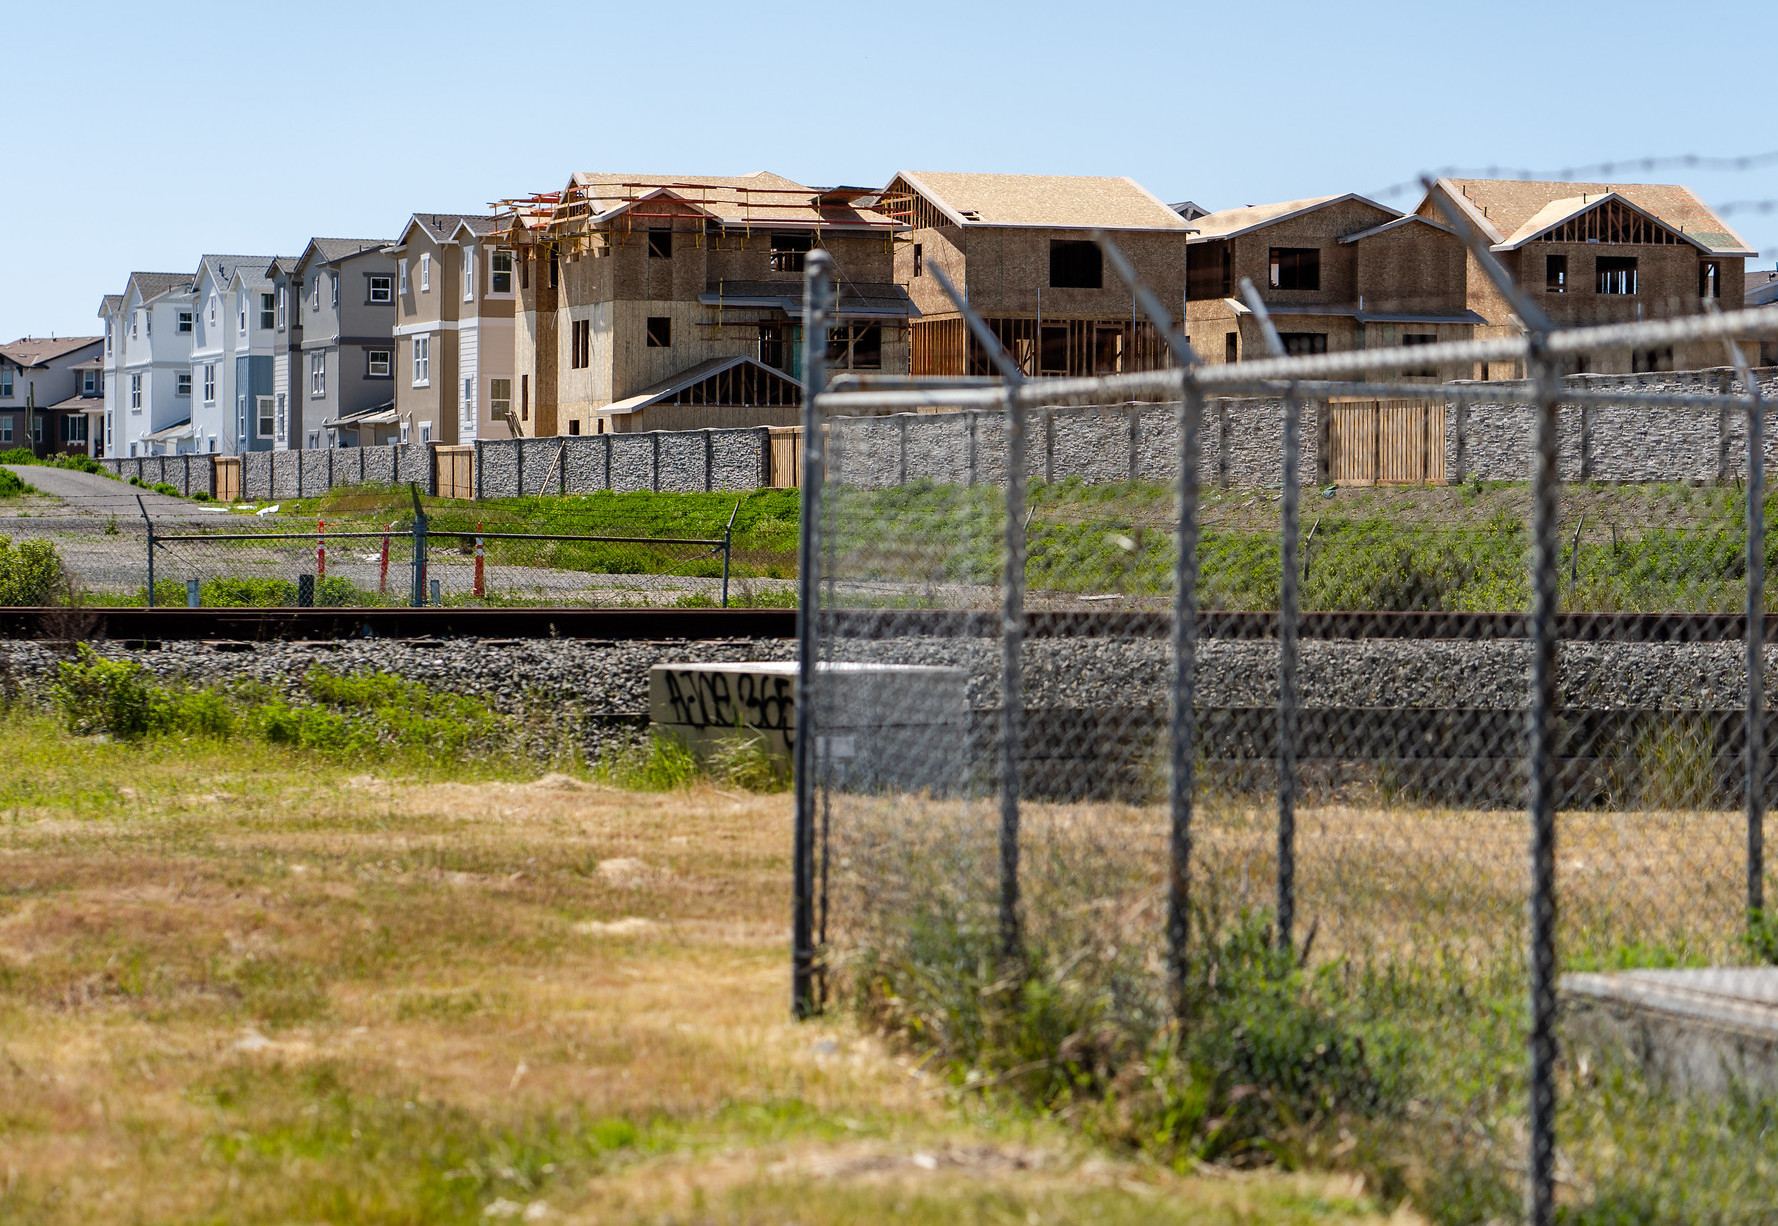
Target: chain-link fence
[1416,830]
[345,563]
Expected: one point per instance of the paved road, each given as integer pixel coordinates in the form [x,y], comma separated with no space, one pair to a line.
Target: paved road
[88,495]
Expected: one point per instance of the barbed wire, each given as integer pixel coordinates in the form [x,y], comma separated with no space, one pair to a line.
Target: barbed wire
[1603,170]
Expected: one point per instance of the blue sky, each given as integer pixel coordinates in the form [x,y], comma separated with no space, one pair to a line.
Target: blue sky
[144,135]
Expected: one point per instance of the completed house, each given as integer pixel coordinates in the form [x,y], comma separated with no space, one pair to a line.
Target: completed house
[337,321]
[49,389]
[672,302]
[1600,253]
[231,355]
[455,290]
[1020,248]
[148,336]
[1335,273]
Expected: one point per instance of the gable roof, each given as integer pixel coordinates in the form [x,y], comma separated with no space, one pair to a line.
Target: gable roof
[333,250]
[222,268]
[280,266]
[1065,201]
[444,227]
[761,198]
[1502,208]
[1231,223]
[152,285]
[29,351]
[751,376]
[109,303]
[1407,219]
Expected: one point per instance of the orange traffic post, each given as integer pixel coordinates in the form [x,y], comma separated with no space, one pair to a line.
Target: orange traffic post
[481,583]
[320,548]
[383,566]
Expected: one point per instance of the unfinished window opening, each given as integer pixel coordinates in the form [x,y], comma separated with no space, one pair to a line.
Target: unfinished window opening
[919,260]
[582,343]
[1615,274]
[1231,347]
[771,346]
[1710,279]
[555,270]
[1412,339]
[660,244]
[524,397]
[525,273]
[1555,274]
[1296,268]
[660,332]
[574,426]
[1052,350]
[1645,361]
[1209,271]
[789,251]
[855,347]
[1108,351]
[1297,344]
[1076,264]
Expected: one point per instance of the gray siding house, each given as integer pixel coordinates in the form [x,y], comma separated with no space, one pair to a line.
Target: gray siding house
[340,293]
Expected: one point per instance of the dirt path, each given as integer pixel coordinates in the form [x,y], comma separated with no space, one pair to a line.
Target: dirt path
[90,496]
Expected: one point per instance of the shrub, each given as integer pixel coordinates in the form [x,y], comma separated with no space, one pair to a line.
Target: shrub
[30,572]
[162,487]
[79,463]
[117,697]
[17,455]
[656,763]
[10,485]
[200,496]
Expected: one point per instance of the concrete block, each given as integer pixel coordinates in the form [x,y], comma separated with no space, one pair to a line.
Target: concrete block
[1709,1031]
[884,727]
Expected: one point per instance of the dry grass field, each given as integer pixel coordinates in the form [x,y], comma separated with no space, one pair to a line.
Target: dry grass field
[245,984]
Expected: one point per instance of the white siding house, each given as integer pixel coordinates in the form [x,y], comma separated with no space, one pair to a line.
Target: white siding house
[148,365]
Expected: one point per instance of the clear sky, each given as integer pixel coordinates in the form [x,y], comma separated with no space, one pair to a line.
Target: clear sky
[143,135]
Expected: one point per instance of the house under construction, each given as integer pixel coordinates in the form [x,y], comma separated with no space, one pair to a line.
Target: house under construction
[673,301]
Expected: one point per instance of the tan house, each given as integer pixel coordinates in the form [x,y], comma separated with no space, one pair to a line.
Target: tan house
[454,300]
[1601,253]
[1020,248]
[1335,273]
[675,301]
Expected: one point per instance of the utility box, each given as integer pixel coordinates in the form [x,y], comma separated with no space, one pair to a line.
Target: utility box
[879,727]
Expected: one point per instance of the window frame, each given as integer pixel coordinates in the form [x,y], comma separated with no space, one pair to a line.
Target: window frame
[401,275]
[495,273]
[209,383]
[1297,344]
[318,374]
[790,250]
[181,383]
[371,288]
[497,402]
[425,272]
[371,364]
[422,359]
[188,323]
[1294,270]
[468,273]
[268,313]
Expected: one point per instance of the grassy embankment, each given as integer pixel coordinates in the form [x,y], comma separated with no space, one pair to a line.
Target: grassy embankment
[385,972]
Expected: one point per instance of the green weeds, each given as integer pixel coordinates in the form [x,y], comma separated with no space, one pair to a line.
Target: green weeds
[30,573]
[661,762]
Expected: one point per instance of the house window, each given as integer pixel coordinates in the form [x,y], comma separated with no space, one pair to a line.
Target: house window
[1297,344]
[856,346]
[378,363]
[6,382]
[241,321]
[315,296]
[425,272]
[660,244]
[422,361]
[185,322]
[1410,339]
[267,317]
[268,418]
[1709,279]
[582,341]
[1555,274]
[919,260]
[333,290]
[240,421]
[1231,347]
[525,273]
[381,290]
[574,426]
[500,272]
[404,434]
[425,432]
[209,383]
[1075,264]
[6,428]
[317,374]
[1209,271]
[74,428]
[401,271]
[36,429]
[181,385]
[282,425]
[660,332]
[1296,268]
[212,310]
[280,308]
[89,383]
[500,396]
[789,251]
[1615,274]
[468,395]
[469,274]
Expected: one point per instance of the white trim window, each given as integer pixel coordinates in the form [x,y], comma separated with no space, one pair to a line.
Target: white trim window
[422,361]
[468,395]
[315,294]
[425,432]
[6,382]
[181,383]
[318,374]
[212,310]
[243,325]
[425,272]
[377,364]
[404,434]
[469,258]
[333,290]
[380,290]
[283,418]
[500,396]
[186,323]
[280,308]
[209,383]
[267,414]
[268,314]
[136,393]
[401,273]
[240,418]
[6,428]
[500,272]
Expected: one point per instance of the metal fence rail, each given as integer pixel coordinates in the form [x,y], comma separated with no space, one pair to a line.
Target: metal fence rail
[1168,785]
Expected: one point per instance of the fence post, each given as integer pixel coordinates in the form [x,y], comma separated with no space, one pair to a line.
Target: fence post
[144,508]
[817,304]
[417,598]
[728,539]
[1755,635]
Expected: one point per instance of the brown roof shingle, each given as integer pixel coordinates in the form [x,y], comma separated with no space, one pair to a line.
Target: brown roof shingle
[1507,205]
[1072,201]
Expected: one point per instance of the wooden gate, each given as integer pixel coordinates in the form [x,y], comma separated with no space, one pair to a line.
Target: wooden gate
[455,468]
[228,478]
[1386,442]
